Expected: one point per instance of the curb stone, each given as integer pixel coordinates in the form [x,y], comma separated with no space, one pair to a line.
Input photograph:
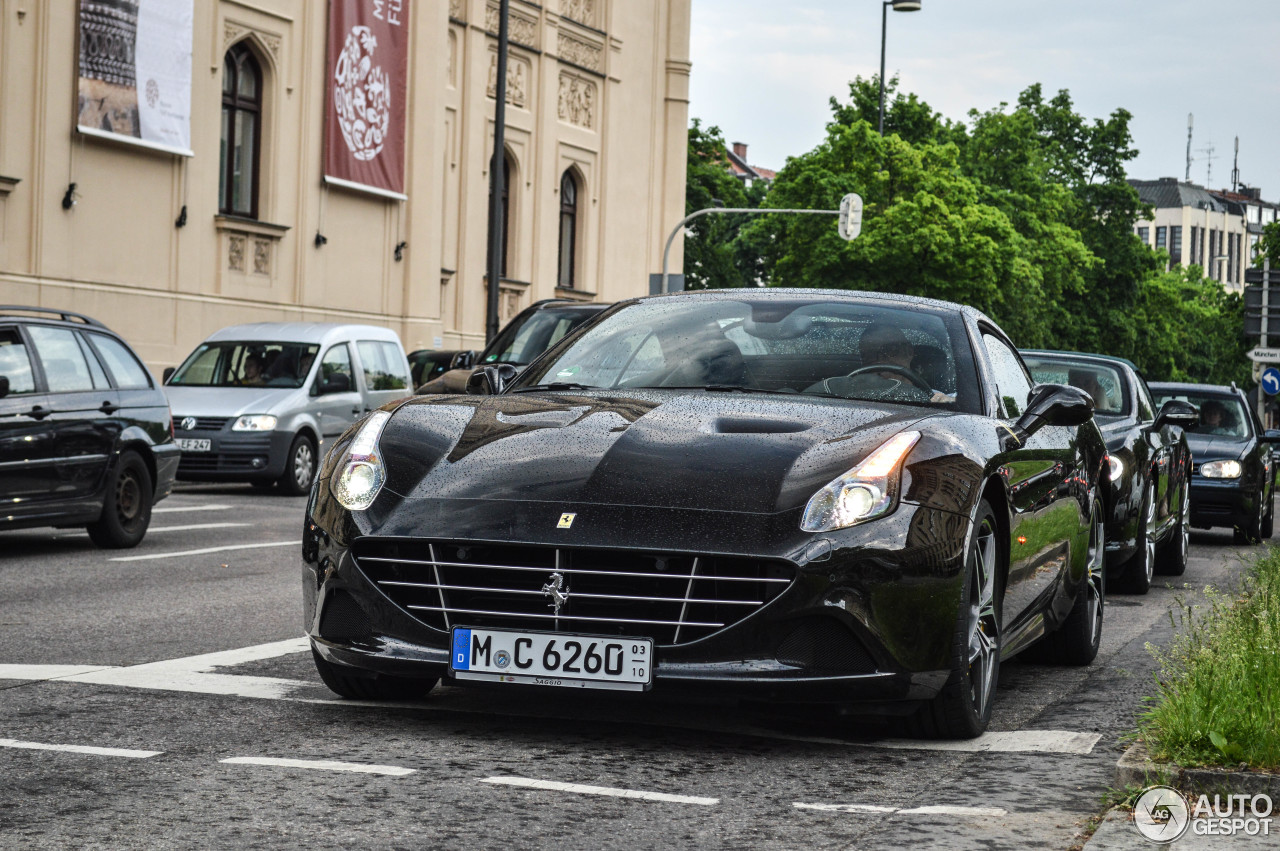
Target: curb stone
[1135,768]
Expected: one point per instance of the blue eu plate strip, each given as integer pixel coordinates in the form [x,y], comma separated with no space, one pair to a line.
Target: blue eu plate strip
[462,649]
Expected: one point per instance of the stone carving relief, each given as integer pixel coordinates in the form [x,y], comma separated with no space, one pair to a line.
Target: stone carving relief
[518,73]
[577,103]
[233,32]
[520,29]
[581,53]
[582,11]
[262,257]
[235,253]
[455,10]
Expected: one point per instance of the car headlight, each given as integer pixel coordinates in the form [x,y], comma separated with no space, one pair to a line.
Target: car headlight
[868,491]
[1115,467]
[1221,470]
[255,422]
[357,480]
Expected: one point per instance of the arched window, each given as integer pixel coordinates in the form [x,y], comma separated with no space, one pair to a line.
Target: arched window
[568,230]
[506,213]
[241,133]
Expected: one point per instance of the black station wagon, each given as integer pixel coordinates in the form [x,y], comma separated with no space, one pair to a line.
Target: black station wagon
[86,438]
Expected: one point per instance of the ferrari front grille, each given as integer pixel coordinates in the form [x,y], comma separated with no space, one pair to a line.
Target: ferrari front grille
[673,598]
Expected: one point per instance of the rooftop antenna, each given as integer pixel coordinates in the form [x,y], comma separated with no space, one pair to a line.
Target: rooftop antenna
[1191,120]
[1235,168]
[1208,158]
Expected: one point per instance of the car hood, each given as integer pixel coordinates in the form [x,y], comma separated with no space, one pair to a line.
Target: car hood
[229,401]
[667,449]
[1211,447]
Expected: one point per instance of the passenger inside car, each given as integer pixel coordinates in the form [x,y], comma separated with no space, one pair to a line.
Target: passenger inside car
[1214,419]
[253,372]
[887,371]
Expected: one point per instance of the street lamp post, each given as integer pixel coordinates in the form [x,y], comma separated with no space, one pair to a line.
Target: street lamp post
[898,6]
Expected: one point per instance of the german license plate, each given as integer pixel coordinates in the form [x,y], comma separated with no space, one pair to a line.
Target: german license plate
[187,444]
[552,659]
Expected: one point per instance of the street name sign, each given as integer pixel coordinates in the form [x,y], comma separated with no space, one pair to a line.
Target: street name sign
[851,216]
[1262,355]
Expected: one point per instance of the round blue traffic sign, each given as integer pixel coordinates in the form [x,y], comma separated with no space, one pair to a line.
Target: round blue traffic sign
[1271,381]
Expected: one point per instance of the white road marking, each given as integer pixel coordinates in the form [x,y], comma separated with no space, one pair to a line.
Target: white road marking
[1014,741]
[321,765]
[153,529]
[209,550]
[940,810]
[46,672]
[171,508]
[38,746]
[608,791]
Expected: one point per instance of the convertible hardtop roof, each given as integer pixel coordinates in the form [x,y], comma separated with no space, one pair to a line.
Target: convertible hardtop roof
[1180,386]
[1090,355]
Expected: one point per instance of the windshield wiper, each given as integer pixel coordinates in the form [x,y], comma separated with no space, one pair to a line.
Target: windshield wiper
[556,385]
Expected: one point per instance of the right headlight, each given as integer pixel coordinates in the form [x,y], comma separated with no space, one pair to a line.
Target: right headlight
[1115,467]
[868,491]
[358,478]
[1221,469]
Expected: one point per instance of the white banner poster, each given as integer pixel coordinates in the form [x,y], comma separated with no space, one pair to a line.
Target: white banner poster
[135,72]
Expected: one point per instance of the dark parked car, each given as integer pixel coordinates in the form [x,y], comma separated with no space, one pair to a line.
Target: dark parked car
[86,438]
[534,330]
[747,491]
[1148,498]
[1232,478]
[427,364]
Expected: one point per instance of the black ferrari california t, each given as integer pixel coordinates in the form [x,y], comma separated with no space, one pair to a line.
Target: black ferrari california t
[792,495]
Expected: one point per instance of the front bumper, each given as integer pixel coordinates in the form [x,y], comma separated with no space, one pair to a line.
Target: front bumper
[235,456]
[1222,502]
[868,618]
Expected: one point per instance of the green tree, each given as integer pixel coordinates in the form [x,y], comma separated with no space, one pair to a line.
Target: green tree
[713,257]
[1269,245]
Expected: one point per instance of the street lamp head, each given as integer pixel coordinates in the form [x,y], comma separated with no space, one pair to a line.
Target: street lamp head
[905,5]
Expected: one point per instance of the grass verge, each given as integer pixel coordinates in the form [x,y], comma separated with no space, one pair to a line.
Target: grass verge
[1219,684]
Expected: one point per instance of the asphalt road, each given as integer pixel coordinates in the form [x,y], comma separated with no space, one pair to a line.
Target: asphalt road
[163,698]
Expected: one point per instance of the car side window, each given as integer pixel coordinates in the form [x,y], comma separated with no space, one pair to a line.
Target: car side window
[15,363]
[336,361]
[1146,407]
[384,369]
[1013,384]
[65,368]
[124,366]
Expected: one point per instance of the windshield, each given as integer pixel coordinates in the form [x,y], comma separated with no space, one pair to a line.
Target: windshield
[834,348]
[521,342]
[1104,383]
[246,365]
[1219,414]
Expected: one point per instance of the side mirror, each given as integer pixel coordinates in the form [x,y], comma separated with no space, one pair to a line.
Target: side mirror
[491,380]
[462,360]
[1056,405]
[168,373]
[4,386]
[1179,413]
[1271,435]
[339,382]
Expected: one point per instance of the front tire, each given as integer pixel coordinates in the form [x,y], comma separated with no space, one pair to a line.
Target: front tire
[379,687]
[126,510]
[1077,641]
[299,467]
[1142,567]
[1251,531]
[1175,551]
[962,709]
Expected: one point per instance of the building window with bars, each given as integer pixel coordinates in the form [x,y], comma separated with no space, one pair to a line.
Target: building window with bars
[1175,244]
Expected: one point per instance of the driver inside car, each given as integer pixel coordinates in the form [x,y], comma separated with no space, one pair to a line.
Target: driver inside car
[886,372]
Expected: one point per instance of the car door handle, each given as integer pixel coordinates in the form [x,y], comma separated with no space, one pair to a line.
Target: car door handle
[38,412]
[108,408]
[355,411]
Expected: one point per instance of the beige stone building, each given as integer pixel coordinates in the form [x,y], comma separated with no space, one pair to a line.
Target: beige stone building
[598,105]
[1197,228]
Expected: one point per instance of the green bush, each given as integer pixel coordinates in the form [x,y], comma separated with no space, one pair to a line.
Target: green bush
[1219,688]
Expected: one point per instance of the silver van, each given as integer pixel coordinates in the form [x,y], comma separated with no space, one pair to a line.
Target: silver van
[255,403]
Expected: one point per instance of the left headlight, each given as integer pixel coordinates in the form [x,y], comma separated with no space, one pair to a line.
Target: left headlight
[357,480]
[255,422]
[1221,469]
[868,491]
[1115,467]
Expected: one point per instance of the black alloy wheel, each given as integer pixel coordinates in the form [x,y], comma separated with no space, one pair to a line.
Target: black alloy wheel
[126,509]
[299,467]
[1251,531]
[962,708]
[1269,519]
[1175,551]
[370,687]
[1077,641]
[1142,566]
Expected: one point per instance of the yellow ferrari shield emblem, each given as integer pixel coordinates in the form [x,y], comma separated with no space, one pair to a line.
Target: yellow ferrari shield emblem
[566,521]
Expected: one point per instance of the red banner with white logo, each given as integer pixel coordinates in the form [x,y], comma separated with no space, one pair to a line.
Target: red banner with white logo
[364,131]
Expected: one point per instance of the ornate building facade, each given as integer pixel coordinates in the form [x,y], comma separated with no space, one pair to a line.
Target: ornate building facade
[166,248]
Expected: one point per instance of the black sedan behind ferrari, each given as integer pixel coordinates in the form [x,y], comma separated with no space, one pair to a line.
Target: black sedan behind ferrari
[792,495]
[1148,497]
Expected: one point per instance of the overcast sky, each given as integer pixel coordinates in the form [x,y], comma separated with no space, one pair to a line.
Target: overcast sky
[763,70]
